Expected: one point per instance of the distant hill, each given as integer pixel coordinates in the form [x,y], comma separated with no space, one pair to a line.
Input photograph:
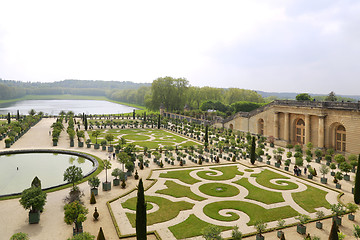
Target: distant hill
[292,95]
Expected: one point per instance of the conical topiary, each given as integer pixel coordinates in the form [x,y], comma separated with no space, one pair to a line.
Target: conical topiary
[36,182]
[100,235]
[282,236]
[92,198]
[136,175]
[96,214]
[123,184]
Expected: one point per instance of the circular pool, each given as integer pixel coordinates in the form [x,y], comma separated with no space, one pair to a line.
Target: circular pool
[18,168]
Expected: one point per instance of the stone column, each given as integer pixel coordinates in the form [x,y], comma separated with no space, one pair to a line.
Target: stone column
[307,128]
[287,127]
[276,125]
[321,132]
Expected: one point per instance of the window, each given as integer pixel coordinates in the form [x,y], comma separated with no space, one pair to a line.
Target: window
[340,138]
[261,126]
[300,132]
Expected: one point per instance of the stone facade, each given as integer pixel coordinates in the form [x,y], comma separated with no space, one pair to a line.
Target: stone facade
[325,124]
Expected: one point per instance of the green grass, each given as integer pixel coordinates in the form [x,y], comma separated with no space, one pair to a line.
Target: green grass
[248,170]
[167,209]
[136,137]
[178,191]
[311,198]
[265,176]
[255,212]
[193,226]
[228,173]
[258,194]
[182,175]
[219,190]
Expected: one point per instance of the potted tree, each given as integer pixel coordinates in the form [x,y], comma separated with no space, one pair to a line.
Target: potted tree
[7,142]
[338,210]
[301,228]
[332,167]
[103,144]
[106,185]
[338,176]
[346,168]
[71,134]
[318,154]
[287,164]
[116,173]
[34,199]
[319,215]
[324,170]
[260,227]
[130,167]
[80,135]
[94,183]
[88,143]
[75,213]
[328,159]
[96,134]
[110,137]
[352,208]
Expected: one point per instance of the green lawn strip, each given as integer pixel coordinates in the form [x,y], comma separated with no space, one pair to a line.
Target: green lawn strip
[178,191]
[182,175]
[228,173]
[191,227]
[136,137]
[152,144]
[265,176]
[311,198]
[258,194]
[248,170]
[219,190]
[167,209]
[255,212]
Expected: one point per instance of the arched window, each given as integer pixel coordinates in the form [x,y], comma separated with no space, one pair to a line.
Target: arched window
[300,132]
[261,126]
[340,138]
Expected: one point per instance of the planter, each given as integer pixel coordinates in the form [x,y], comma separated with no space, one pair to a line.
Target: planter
[327,163]
[259,237]
[338,186]
[34,217]
[268,162]
[279,233]
[319,225]
[55,143]
[310,176]
[80,144]
[337,219]
[128,173]
[72,143]
[110,149]
[7,145]
[116,182]
[351,217]
[103,148]
[96,146]
[94,190]
[260,159]
[286,168]
[323,180]
[88,145]
[277,165]
[317,160]
[347,177]
[106,186]
[117,151]
[301,229]
[332,173]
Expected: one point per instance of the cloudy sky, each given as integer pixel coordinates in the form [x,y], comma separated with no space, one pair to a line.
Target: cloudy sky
[268,45]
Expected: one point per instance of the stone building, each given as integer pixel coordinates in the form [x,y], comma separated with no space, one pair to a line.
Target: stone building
[325,124]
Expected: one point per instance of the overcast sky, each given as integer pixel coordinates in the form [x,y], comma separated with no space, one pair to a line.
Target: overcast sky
[269,45]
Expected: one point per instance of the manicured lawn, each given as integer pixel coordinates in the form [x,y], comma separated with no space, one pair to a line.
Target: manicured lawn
[228,173]
[248,170]
[219,190]
[191,227]
[178,191]
[136,137]
[182,175]
[167,209]
[255,212]
[265,176]
[311,198]
[258,194]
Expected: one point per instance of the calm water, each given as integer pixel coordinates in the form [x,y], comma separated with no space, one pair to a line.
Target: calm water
[53,107]
[48,167]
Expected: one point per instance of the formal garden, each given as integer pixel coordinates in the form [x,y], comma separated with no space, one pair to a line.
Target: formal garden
[226,196]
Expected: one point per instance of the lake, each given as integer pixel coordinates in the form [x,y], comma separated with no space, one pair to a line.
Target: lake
[54,107]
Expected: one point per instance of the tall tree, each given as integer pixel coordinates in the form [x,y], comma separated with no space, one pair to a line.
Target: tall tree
[252,150]
[334,231]
[140,213]
[159,122]
[206,137]
[331,97]
[357,184]
[9,118]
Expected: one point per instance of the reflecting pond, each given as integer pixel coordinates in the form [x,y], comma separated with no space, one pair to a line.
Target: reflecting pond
[18,170]
[53,107]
